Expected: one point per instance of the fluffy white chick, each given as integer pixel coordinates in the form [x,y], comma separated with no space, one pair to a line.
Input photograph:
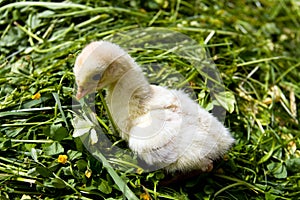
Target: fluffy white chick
[164,127]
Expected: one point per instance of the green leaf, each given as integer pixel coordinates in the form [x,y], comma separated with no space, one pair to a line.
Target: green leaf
[67,171]
[293,165]
[208,189]
[79,144]
[268,155]
[159,175]
[270,196]
[72,155]
[81,165]
[54,149]
[226,100]
[105,187]
[43,171]
[58,132]
[29,146]
[34,154]
[33,21]
[278,170]
[13,132]
[55,182]
[5,145]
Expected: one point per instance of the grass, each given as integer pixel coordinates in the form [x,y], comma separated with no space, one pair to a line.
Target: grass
[254,45]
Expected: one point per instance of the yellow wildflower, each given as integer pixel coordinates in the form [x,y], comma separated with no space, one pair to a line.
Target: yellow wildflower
[145,196]
[36,96]
[62,159]
[139,170]
[88,173]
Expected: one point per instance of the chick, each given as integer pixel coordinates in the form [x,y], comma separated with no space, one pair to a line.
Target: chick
[163,127]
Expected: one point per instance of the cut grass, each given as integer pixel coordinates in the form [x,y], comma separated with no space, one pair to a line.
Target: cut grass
[254,44]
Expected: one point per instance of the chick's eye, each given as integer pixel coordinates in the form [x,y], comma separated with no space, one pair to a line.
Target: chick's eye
[96,77]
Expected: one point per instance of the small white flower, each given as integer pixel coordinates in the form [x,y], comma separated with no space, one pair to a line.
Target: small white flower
[83,124]
[93,137]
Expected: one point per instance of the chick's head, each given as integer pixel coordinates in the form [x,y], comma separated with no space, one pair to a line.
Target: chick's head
[95,67]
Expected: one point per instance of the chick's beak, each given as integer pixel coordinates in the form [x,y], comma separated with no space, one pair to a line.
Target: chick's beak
[81,92]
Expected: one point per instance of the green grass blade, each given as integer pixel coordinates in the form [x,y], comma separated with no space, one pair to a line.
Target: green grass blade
[118,180]
[56,97]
